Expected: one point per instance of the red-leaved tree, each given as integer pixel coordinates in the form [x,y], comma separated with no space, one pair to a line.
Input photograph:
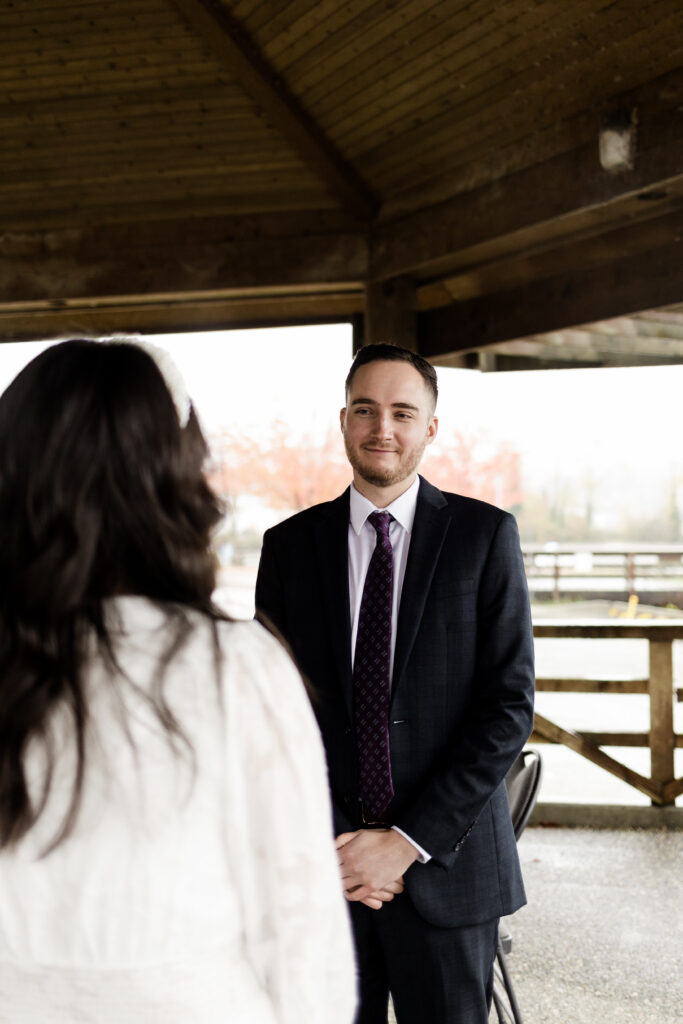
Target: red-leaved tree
[287,472]
[467,465]
[290,472]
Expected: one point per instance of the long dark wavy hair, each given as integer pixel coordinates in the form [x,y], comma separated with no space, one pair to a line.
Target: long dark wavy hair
[102,492]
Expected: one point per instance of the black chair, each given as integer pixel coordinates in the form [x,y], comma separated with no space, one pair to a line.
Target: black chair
[523,782]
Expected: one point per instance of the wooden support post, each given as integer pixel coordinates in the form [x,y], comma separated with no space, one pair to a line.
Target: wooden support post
[630,573]
[556,577]
[390,314]
[357,332]
[662,739]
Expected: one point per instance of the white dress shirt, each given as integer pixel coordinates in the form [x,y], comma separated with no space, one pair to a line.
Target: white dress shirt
[362,540]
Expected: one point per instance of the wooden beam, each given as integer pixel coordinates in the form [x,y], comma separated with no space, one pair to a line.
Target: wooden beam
[613,629]
[561,350]
[228,40]
[566,685]
[605,739]
[671,791]
[246,207]
[577,344]
[629,285]
[178,256]
[183,314]
[517,214]
[390,313]
[616,739]
[558,197]
[489,360]
[577,742]
[556,256]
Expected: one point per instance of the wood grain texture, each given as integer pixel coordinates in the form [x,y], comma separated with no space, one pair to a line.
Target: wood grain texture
[459,138]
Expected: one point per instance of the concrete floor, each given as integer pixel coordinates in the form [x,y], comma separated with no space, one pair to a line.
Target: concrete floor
[601,939]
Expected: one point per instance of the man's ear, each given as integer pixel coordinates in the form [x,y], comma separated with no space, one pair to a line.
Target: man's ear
[432,429]
[342,417]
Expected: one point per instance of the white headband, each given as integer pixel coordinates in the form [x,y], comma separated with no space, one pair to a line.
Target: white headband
[167,368]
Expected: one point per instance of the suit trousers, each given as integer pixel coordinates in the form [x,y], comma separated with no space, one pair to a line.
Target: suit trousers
[435,975]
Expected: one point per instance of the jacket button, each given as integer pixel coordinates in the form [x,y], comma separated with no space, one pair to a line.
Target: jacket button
[347,730]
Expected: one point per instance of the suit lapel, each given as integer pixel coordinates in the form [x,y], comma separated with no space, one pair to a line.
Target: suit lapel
[429,530]
[332,548]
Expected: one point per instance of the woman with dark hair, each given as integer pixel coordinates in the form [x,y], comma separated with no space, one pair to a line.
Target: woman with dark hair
[166,850]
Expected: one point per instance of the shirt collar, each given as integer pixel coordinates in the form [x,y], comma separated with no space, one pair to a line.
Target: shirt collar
[402,509]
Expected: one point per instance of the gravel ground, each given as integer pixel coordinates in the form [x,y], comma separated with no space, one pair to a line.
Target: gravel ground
[601,939]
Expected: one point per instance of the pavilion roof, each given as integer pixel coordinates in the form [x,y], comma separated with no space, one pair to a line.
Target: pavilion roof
[472,171]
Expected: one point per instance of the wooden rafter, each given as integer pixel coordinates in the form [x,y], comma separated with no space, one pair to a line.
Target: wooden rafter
[491,359]
[219,160]
[544,260]
[242,59]
[518,214]
[581,297]
[586,348]
[569,195]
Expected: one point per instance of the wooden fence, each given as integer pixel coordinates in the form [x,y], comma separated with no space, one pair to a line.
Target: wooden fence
[662,787]
[605,568]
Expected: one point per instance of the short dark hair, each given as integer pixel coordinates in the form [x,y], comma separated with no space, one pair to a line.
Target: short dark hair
[393,353]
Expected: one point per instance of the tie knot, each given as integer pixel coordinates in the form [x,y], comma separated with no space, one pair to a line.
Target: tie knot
[380,521]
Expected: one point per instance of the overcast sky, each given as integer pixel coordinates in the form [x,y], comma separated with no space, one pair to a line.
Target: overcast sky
[622,426]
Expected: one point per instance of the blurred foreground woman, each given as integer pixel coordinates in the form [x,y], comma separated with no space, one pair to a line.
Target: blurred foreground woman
[166,851]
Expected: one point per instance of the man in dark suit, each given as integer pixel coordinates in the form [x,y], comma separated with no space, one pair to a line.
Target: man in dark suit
[414,630]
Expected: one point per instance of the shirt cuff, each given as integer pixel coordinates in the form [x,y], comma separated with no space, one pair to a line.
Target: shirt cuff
[422,855]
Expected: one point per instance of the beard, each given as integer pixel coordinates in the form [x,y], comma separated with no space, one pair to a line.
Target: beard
[408,462]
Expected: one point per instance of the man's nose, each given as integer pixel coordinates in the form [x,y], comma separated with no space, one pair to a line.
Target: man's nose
[385,426]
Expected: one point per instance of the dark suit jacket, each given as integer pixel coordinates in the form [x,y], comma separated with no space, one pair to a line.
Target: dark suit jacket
[462,691]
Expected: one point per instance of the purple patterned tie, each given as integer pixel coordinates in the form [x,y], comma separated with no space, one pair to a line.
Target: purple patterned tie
[371,673]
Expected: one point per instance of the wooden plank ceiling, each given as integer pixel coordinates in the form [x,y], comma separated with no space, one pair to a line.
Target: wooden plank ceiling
[434,164]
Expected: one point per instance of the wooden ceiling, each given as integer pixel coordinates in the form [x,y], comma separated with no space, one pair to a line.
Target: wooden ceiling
[431,168]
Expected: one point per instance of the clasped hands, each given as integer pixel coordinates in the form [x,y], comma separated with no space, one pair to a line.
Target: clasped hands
[372,863]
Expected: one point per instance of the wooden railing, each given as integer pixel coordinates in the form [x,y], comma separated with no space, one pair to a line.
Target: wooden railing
[662,787]
[618,569]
